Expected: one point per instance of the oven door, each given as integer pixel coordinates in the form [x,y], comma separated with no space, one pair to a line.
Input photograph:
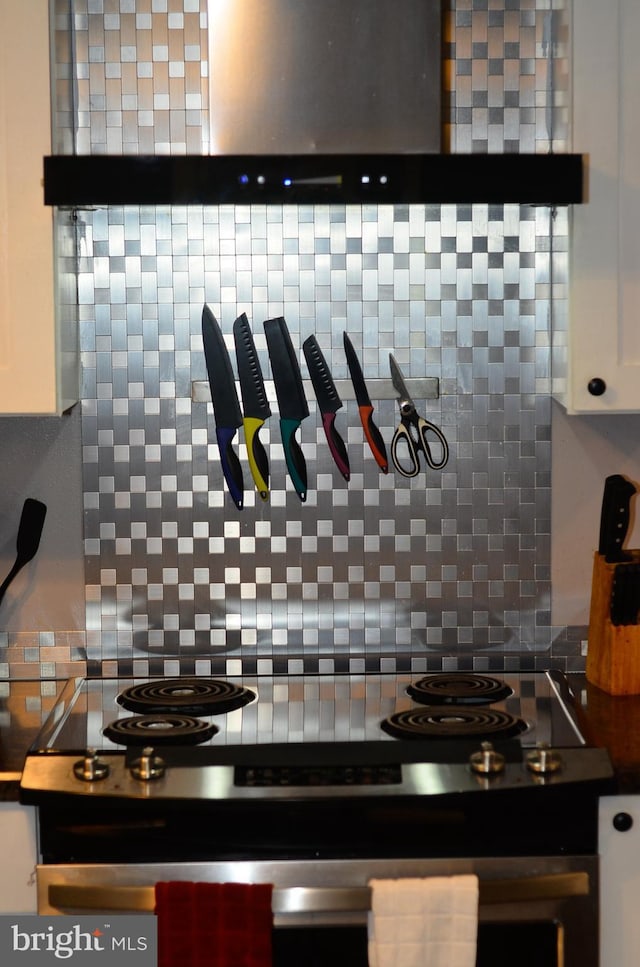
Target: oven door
[534,911]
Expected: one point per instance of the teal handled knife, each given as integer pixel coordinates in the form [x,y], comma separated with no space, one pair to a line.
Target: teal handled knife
[226,408]
[255,404]
[292,401]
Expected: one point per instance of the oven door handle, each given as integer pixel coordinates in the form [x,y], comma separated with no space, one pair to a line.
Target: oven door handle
[302,900]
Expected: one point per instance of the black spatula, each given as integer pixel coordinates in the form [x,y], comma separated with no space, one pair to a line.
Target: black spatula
[28,540]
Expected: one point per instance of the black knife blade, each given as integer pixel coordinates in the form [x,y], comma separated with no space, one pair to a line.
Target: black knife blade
[254,401]
[292,401]
[226,408]
[328,401]
[371,431]
[614,518]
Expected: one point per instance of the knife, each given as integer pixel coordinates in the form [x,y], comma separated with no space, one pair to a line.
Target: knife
[328,401]
[226,407]
[371,431]
[614,518]
[625,595]
[255,404]
[292,402]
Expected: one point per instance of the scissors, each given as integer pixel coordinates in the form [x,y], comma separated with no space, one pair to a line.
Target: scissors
[413,432]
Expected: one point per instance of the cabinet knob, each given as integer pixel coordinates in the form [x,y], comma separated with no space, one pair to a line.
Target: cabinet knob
[596,386]
[622,822]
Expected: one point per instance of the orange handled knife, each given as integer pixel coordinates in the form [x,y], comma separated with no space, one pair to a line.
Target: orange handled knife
[371,431]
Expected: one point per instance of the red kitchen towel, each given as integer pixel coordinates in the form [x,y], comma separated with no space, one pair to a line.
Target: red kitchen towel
[214,924]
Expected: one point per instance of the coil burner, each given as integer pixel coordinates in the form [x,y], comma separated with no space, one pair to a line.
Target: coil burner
[190,696]
[458,689]
[159,729]
[453,722]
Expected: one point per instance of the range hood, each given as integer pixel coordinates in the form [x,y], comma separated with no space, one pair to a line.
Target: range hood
[319,101]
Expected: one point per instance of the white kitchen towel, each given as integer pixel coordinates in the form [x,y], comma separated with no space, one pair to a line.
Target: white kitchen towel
[430,922]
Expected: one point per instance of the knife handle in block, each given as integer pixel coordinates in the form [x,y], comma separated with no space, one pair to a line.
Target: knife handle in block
[374,438]
[258,462]
[625,595]
[231,465]
[294,456]
[614,517]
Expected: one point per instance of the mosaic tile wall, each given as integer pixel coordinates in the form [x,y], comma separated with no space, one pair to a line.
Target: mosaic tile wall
[451,568]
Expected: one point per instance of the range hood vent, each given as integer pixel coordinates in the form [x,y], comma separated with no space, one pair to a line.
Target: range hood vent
[314,102]
[100,180]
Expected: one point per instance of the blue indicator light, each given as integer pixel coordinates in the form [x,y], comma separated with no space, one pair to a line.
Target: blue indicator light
[244,179]
[287,182]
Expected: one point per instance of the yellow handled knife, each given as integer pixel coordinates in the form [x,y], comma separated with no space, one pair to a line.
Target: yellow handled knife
[255,404]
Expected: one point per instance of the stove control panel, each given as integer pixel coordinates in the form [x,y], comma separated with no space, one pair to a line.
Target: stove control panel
[150,775]
[343,775]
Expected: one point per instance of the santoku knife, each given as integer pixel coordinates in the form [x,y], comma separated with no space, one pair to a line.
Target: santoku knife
[292,401]
[328,401]
[371,431]
[255,404]
[226,407]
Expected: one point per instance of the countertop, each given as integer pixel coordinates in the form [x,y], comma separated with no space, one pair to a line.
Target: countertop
[612,721]
[24,705]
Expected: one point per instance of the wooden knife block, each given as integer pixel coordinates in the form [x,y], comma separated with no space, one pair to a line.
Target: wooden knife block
[613,652]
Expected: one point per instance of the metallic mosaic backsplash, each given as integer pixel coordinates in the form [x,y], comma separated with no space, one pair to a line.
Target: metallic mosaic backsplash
[452,563]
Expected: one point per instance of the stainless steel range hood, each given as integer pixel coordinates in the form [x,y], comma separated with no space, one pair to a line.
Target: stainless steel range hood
[314,82]
[319,101]
[309,77]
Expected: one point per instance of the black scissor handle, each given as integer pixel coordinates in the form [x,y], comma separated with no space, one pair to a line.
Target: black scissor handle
[403,440]
[425,427]
[412,436]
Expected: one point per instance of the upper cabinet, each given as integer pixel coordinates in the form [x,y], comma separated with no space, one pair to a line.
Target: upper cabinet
[38,361]
[602,350]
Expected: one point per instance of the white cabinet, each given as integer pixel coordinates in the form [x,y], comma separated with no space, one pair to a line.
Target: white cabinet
[619,847]
[38,366]
[603,337]
[18,892]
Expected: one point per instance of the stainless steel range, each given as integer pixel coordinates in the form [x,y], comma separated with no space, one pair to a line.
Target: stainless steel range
[317,784]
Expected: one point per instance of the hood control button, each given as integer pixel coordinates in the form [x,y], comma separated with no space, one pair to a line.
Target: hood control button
[91,768]
[148,766]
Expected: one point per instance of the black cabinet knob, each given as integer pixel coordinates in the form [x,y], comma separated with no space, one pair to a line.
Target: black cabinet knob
[596,386]
[622,822]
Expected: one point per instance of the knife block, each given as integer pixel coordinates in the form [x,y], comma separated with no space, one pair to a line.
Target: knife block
[613,651]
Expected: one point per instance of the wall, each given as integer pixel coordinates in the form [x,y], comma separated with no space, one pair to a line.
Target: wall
[450,569]
[453,562]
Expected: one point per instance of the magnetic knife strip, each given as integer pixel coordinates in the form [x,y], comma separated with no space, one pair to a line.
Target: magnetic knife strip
[422,388]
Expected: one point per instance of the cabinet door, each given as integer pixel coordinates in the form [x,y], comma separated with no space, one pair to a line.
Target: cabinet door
[32,365]
[619,848]
[19,858]
[604,294]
